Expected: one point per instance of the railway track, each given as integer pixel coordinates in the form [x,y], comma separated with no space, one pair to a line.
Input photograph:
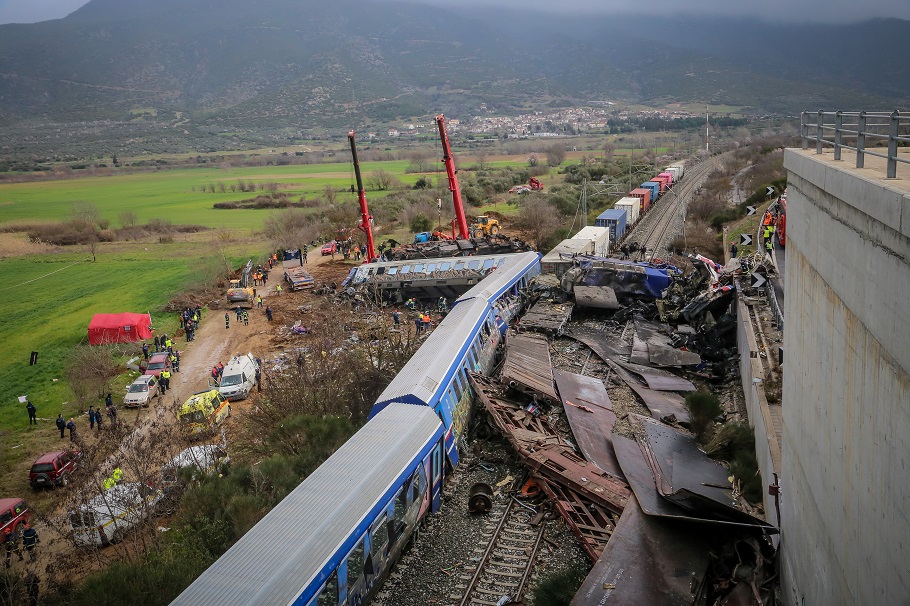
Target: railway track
[502,567]
[653,233]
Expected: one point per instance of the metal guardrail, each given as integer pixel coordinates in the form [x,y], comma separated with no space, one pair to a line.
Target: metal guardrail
[778,312]
[861,128]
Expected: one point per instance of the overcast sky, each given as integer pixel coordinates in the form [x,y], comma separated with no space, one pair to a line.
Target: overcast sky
[29,11]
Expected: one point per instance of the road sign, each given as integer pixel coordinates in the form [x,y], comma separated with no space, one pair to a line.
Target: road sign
[770,191]
[750,210]
[758,280]
[745,240]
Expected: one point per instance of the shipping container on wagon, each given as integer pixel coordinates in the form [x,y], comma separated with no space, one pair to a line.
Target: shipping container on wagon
[675,171]
[669,177]
[599,236]
[654,188]
[664,182]
[615,219]
[644,197]
[561,258]
[681,165]
[632,207]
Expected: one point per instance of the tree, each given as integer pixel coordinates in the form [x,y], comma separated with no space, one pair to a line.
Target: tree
[422,183]
[328,193]
[533,159]
[85,212]
[538,218]
[382,180]
[609,150]
[556,154]
[420,162]
[128,218]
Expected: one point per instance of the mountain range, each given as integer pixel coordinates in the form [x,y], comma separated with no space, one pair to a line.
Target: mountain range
[299,65]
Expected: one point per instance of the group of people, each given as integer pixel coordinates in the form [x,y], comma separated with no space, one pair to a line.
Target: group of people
[11,543]
[189,320]
[217,371]
[260,276]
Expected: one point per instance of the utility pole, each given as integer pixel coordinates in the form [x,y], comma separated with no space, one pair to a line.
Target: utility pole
[706,130]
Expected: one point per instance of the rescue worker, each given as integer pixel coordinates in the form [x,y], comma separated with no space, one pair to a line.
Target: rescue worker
[278,289]
[157,343]
[145,350]
[733,250]
[165,380]
[769,246]
[112,413]
[268,313]
[169,344]
[61,423]
[108,401]
[72,427]
[246,318]
[30,541]
[113,479]
[418,324]
[426,321]
[395,318]
[259,302]
[11,542]
[32,413]
[227,320]
[91,417]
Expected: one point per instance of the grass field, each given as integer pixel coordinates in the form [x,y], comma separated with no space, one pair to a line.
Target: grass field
[176,194]
[51,301]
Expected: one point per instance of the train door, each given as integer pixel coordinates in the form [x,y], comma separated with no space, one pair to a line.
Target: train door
[436,468]
[354,588]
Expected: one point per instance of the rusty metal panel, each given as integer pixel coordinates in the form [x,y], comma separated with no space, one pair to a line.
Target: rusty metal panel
[648,562]
[664,405]
[600,297]
[547,317]
[660,380]
[560,464]
[603,346]
[592,430]
[528,364]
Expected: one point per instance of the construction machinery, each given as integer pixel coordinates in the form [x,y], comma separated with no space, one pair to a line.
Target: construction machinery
[366,220]
[485,226]
[240,292]
[449,162]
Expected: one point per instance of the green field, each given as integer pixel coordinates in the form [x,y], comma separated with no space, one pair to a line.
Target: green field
[52,299]
[176,195]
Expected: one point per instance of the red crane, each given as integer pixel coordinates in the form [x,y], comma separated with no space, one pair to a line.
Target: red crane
[453,178]
[366,221]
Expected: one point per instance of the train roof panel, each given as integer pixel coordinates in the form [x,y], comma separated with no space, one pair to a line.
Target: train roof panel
[277,558]
[423,376]
[513,266]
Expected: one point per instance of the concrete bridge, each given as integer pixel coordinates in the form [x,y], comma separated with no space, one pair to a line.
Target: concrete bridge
[845,448]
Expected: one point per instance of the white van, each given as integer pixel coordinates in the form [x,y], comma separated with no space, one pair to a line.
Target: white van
[239,377]
[205,458]
[106,518]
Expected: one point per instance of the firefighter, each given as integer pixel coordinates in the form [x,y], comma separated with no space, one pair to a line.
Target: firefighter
[227,320]
[165,380]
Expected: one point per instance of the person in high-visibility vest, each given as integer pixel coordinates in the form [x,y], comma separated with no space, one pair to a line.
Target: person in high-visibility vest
[113,479]
[165,380]
[278,289]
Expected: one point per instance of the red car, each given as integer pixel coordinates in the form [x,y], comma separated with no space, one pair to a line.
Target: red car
[330,248]
[53,469]
[13,513]
[157,363]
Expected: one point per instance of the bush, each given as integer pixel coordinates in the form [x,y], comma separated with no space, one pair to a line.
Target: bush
[558,588]
[421,222]
[703,407]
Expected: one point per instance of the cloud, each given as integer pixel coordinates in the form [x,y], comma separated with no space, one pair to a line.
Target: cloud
[30,11]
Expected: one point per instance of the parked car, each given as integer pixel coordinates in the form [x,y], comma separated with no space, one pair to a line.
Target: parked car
[330,248]
[53,468]
[141,391]
[107,518]
[13,513]
[157,363]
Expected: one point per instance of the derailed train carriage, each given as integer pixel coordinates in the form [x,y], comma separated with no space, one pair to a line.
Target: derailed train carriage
[333,540]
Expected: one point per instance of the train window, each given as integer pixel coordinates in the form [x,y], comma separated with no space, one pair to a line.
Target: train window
[380,271]
[488,264]
[431,268]
[419,268]
[459,265]
[475,264]
[379,535]
[329,594]
[406,268]
[355,566]
[458,384]
[392,271]
[445,266]
[396,524]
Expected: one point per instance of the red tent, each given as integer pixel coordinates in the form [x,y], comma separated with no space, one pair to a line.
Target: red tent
[119,328]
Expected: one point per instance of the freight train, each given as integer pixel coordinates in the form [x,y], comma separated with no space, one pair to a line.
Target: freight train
[334,538]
